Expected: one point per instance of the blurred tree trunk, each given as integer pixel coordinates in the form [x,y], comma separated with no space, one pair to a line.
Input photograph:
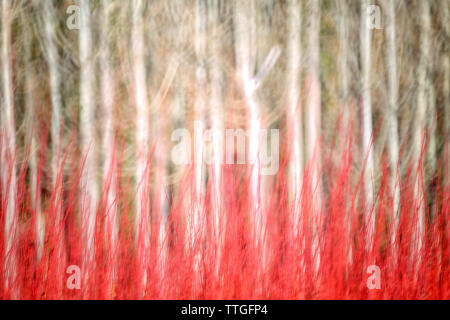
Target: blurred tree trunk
[313,108]
[142,217]
[88,182]
[431,115]
[160,206]
[52,56]
[392,114]
[294,114]
[367,133]
[8,172]
[344,39]
[33,133]
[200,42]
[446,85]
[109,160]
[245,52]
[343,21]
[216,101]
[178,102]
[196,222]
[420,122]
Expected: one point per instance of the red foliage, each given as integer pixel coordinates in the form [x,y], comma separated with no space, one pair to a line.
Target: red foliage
[327,263]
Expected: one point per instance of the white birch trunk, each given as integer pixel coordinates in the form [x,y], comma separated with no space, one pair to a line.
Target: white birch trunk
[431,115]
[88,182]
[245,58]
[313,107]
[9,179]
[51,52]
[217,115]
[420,122]
[392,121]
[431,151]
[195,216]
[55,83]
[200,97]
[343,69]
[142,218]
[109,162]
[294,115]
[365,43]
[160,208]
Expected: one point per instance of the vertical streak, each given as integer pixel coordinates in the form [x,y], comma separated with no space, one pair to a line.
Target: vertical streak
[55,82]
[200,98]
[88,183]
[418,135]
[195,220]
[294,115]
[446,82]
[314,120]
[8,158]
[216,103]
[343,59]
[391,52]
[56,118]
[142,218]
[344,39]
[109,150]
[365,43]
[245,59]
[31,133]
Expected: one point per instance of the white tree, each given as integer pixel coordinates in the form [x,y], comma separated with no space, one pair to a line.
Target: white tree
[367,148]
[392,112]
[217,115]
[343,21]
[109,162]
[142,217]
[52,57]
[88,182]
[245,52]
[420,122]
[8,163]
[313,109]
[294,114]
